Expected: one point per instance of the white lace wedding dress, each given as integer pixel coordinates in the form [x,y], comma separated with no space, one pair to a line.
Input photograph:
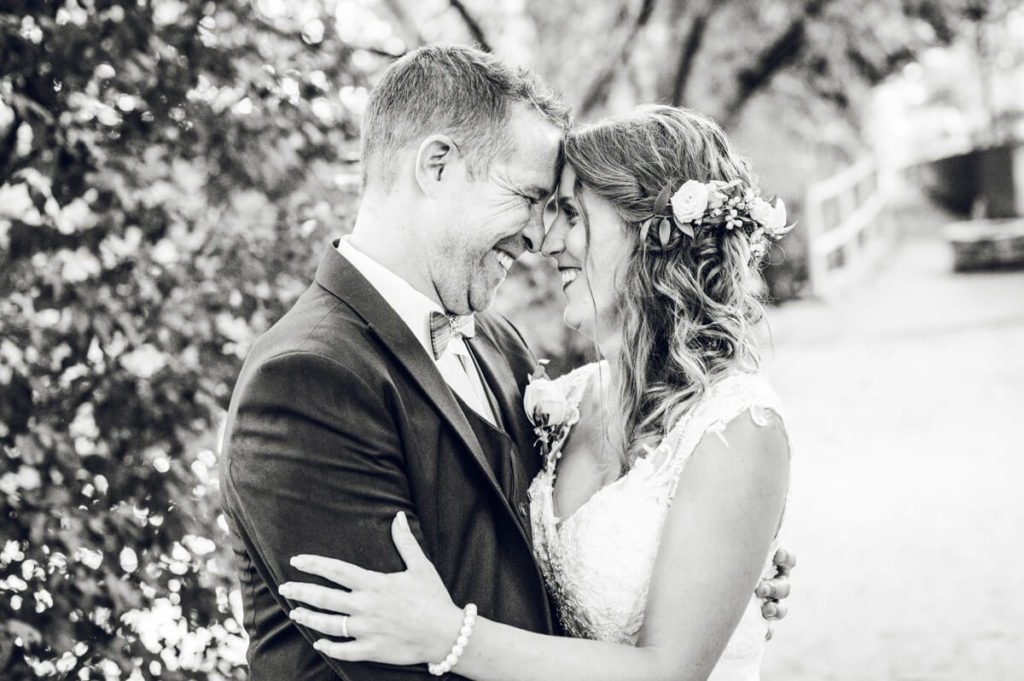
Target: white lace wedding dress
[598,561]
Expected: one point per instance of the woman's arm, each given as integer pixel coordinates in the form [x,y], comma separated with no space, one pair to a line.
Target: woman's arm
[716,538]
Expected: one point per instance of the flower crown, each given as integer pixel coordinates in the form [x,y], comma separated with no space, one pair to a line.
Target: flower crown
[718,205]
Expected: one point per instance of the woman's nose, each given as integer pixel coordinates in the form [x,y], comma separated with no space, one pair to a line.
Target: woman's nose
[554,240]
[555,227]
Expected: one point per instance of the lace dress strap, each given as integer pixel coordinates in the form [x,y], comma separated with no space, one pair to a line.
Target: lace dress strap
[573,386]
[574,383]
[725,400]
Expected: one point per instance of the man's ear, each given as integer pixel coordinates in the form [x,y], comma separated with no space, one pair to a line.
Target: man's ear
[435,159]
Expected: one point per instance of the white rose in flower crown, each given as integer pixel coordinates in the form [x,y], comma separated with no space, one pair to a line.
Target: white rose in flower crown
[690,201]
[545,403]
[773,218]
[716,199]
[760,210]
[778,218]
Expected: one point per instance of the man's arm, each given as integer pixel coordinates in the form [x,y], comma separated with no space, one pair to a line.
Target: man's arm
[316,466]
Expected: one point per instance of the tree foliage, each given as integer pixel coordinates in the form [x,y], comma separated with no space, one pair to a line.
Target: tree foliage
[168,171]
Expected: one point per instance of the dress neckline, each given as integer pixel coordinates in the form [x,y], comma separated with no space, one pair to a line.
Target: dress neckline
[559,521]
[551,464]
[644,460]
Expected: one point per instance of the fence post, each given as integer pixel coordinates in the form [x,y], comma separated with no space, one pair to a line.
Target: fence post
[842,238]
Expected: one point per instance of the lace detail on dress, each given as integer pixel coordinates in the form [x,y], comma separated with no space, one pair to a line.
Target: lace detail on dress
[598,561]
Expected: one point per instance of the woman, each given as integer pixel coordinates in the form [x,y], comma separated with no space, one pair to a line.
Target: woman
[667,464]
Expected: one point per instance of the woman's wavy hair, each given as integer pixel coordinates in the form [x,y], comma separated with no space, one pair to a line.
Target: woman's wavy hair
[688,312]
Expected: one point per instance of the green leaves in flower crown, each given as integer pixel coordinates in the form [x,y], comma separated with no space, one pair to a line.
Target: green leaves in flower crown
[645,227]
[665,232]
[661,202]
[661,220]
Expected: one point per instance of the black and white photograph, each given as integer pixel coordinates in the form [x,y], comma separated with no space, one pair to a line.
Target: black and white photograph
[523,340]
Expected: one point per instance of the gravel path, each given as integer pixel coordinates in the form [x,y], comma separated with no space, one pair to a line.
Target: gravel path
[905,400]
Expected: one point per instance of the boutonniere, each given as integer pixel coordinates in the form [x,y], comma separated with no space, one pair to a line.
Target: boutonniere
[549,411]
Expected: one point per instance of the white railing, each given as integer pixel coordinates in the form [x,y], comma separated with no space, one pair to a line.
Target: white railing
[845,229]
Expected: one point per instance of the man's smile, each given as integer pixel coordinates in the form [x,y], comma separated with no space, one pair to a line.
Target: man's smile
[505,259]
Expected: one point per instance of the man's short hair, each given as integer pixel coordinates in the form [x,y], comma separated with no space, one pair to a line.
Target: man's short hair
[455,90]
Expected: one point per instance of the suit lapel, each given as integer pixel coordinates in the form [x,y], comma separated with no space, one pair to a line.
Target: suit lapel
[498,374]
[337,275]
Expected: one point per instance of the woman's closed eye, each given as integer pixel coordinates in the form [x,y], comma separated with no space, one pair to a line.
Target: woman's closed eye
[570,212]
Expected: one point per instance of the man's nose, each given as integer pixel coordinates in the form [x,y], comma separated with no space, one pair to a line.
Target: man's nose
[533,235]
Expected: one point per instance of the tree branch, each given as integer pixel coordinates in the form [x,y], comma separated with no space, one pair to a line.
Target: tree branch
[406,23]
[8,145]
[380,52]
[688,53]
[779,54]
[597,92]
[472,24]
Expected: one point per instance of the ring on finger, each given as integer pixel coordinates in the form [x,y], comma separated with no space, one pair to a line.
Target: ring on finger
[344,626]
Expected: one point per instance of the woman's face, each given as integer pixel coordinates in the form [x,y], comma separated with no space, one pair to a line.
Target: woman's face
[591,264]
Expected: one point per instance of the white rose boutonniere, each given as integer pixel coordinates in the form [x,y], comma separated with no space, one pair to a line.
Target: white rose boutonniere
[544,402]
[690,201]
[549,411]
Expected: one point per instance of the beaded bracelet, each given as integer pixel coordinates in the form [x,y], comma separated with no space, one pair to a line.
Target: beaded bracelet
[444,666]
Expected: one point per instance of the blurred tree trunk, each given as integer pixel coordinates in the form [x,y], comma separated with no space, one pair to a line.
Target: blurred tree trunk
[690,46]
[600,86]
[475,29]
[780,53]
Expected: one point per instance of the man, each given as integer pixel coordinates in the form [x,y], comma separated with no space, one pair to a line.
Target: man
[370,396]
[343,415]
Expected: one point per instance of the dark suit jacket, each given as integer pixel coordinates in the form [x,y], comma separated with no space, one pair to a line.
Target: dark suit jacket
[338,420]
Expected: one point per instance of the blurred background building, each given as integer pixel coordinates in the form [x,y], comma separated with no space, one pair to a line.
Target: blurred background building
[171,170]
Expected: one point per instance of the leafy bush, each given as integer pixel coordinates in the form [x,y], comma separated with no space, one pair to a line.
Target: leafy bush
[169,172]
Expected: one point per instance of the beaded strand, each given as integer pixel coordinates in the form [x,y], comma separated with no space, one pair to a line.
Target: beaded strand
[444,666]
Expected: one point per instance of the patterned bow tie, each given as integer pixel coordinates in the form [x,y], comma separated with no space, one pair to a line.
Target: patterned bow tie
[443,328]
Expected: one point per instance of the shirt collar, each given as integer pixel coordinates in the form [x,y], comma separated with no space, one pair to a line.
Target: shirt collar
[412,307]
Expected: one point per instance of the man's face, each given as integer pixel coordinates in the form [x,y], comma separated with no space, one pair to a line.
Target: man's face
[491,219]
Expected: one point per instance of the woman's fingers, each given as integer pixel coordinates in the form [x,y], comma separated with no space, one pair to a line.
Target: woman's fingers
[332,625]
[774,611]
[773,588]
[784,561]
[322,597]
[337,571]
[351,651]
[405,541]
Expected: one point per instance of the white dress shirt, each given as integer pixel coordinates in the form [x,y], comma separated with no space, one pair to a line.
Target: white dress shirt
[456,364]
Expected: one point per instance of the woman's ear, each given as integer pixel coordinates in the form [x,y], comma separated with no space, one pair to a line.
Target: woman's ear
[435,159]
